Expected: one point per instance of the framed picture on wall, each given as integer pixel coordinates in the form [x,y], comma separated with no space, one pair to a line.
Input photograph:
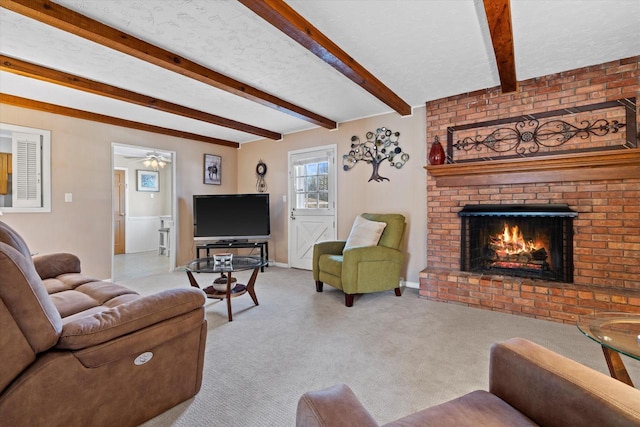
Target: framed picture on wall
[147,181]
[212,169]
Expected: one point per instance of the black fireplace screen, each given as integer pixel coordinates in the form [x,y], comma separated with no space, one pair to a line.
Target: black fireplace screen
[518,240]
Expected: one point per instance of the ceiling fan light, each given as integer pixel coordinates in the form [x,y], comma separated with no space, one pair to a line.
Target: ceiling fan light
[146,163]
[161,163]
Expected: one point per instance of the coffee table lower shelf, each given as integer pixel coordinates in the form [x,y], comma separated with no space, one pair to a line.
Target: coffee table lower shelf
[231,292]
[237,290]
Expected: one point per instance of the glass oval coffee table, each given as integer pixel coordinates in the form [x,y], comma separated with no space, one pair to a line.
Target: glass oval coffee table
[226,285]
[617,333]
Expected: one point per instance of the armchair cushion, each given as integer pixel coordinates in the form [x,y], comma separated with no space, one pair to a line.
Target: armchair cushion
[364,233]
[123,319]
[76,294]
[331,264]
[53,265]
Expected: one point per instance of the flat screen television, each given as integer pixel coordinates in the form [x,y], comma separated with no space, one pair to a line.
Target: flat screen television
[231,217]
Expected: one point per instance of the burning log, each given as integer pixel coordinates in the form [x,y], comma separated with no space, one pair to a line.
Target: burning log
[539,254]
[511,250]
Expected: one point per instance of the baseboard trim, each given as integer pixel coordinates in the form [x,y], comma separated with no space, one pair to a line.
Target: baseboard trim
[412,285]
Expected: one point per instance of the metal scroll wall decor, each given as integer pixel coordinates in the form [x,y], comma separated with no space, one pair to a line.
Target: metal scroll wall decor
[526,135]
[381,145]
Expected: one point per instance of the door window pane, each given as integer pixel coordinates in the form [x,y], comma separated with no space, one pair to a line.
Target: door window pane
[312,184]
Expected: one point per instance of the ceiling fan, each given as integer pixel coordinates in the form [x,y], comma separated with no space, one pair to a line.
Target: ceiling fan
[153,160]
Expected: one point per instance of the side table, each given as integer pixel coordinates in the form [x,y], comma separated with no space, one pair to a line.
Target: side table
[617,333]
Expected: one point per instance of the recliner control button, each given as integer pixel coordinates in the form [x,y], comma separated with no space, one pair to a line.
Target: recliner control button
[143,358]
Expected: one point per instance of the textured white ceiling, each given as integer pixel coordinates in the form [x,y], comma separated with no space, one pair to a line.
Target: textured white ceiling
[422,50]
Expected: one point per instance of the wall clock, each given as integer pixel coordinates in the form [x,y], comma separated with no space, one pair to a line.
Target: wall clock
[261,171]
[261,168]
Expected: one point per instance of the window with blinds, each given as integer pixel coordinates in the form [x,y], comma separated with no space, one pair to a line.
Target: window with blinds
[27,164]
[29,177]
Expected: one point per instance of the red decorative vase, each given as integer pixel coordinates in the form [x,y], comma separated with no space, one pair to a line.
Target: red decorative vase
[436,154]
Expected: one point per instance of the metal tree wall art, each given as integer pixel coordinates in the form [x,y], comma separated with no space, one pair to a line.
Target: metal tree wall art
[379,146]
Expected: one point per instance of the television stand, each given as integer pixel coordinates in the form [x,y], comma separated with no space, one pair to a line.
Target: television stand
[236,244]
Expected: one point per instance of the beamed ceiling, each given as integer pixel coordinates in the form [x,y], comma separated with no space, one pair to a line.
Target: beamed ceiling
[229,72]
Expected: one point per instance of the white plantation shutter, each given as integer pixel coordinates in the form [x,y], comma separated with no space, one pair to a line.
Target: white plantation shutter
[27,170]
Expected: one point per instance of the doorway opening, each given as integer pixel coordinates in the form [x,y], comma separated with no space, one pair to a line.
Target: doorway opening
[144,211]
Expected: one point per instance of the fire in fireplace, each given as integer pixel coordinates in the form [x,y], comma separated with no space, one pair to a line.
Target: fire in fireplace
[519,240]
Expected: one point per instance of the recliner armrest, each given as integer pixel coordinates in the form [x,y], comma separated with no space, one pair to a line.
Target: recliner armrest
[372,253]
[551,389]
[330,247]
[334,247]
[370,268]
[335,406]
[53,265]
[129,317]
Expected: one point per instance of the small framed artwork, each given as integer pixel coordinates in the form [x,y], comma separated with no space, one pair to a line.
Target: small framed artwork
[148,181]
[212,169]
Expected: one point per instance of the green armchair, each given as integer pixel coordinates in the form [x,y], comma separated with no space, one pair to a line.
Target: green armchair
[360,270]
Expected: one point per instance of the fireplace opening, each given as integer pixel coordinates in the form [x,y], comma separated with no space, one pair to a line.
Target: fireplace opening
[518,240]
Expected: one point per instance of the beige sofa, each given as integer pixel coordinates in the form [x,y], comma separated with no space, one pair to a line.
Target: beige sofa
[76,351]
[529,385]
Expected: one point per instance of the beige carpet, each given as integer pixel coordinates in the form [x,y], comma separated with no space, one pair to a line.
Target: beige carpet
[399,355]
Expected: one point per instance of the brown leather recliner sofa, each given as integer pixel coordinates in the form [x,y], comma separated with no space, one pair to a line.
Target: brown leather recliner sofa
[529,385]
[76,351]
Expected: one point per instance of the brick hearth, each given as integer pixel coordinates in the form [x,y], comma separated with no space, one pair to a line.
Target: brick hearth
[606,231]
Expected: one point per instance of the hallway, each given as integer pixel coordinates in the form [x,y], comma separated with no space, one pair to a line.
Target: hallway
[139,264]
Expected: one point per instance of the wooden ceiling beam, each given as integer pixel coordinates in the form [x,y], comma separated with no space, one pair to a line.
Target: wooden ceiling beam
[27,69]
[287,20]
[499,18]
[75,23]
[101,118]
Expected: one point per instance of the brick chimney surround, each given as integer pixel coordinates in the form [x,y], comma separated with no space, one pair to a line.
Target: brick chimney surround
[602,184]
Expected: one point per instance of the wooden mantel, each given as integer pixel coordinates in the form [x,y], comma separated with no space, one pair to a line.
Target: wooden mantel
[613,164]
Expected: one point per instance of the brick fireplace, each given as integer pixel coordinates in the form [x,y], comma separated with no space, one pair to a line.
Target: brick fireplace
[602,186]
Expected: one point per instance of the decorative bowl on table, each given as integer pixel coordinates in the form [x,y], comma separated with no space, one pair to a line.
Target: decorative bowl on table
[220,285]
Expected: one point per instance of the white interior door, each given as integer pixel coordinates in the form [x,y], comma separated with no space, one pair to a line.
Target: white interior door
[312,202]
